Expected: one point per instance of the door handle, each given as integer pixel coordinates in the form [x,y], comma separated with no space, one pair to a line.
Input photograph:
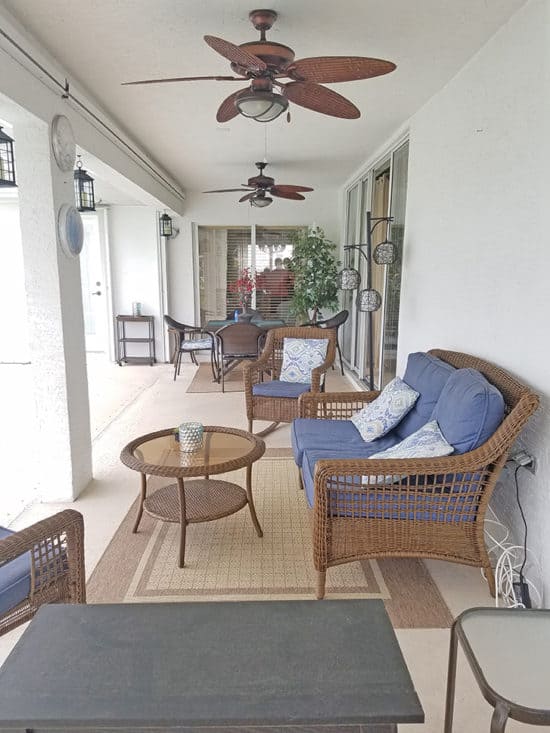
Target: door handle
[97,292]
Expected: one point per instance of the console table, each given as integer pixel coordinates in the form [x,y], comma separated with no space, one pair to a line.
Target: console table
[286,666]
[123,340]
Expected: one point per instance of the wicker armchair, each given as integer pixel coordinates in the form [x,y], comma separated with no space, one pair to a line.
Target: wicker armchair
[281,409]
[43,563]
[431,508]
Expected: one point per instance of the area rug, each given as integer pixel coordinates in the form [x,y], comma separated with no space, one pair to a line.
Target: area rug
[226,560]
[202,381]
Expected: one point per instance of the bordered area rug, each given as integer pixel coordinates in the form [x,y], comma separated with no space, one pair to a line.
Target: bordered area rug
[225,560]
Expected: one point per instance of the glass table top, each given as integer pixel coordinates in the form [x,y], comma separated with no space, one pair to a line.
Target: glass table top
[512,648]
[218,449]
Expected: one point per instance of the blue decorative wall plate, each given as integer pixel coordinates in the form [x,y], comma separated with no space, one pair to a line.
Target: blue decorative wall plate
[70,230]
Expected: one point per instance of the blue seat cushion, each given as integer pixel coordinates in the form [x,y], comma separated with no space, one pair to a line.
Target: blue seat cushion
[276,388]
[429,504]
[345,452]
[15,579]
[427,375]
[311,433]
[196,344]
[469,410]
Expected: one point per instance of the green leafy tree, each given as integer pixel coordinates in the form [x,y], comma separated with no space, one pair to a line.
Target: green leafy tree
[315,271]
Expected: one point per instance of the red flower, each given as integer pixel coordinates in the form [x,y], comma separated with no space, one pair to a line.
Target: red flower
[244,286]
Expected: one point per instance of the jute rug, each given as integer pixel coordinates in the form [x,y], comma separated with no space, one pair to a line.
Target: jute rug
[226,560]
[202,381]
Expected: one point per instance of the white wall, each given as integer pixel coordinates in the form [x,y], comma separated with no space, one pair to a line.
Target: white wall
[133,243]
[477,250]
[14,344]
[223,209]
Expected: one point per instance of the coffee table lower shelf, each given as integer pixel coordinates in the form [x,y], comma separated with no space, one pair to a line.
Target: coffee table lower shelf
[205,500]
[198,500]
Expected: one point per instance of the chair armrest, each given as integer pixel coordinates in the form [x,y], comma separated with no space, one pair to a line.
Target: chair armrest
[56,547]
[253,370]
[334,405]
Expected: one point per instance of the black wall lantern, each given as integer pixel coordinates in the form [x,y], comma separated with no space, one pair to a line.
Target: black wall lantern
[165,226]
[7,161]
[83,189]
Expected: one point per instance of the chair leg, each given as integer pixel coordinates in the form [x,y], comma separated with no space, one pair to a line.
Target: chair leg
[340,355]
[180,355]
[177,361]
[321,580]
[270,428]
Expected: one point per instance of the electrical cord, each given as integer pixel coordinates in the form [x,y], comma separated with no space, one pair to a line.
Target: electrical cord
[522,568]
[508,562]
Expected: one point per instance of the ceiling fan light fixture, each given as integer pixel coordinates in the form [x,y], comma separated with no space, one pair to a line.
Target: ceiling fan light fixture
[262,106]
[261,200]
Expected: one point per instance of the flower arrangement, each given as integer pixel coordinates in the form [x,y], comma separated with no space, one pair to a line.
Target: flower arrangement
[244,286]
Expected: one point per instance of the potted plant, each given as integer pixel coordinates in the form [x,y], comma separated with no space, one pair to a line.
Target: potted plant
[315,271]
[243,287]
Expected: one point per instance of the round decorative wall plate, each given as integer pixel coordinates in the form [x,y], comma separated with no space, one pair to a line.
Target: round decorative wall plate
[70,230]
[63,143]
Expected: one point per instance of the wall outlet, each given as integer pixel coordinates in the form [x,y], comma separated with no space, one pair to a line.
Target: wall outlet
[525,460]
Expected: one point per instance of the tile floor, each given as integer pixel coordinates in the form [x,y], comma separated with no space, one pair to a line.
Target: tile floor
[142,399]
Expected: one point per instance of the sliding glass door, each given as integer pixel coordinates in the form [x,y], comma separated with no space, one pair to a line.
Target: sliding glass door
[382,191]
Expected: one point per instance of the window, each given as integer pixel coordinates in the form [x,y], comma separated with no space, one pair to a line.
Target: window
[225,251]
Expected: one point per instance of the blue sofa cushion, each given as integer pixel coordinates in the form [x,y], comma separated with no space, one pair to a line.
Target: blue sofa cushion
[276,388]
[15,579]
[469,410]
[334,436]
[430,505]
[427,375]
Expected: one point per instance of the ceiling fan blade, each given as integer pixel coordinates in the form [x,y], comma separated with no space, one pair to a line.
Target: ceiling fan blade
[287,188]
[229,190]
[183,78]
[320,99]
[227,109]
[286,194]
[235,54]
[326,69]
[247,197]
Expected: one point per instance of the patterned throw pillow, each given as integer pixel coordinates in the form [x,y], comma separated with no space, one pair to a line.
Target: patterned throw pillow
[427,442]
[300,356]
[386,411]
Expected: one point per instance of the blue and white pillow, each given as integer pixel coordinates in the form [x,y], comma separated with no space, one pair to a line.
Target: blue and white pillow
[427,442]
[300,356]
[386,411]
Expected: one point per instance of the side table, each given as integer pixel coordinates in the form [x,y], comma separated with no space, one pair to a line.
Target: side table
[509,651]
[123,340]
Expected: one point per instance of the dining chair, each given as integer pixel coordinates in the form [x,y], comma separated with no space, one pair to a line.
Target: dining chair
[190,340]
[235,342]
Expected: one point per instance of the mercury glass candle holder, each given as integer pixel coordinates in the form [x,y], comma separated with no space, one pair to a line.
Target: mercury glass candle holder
[190,436]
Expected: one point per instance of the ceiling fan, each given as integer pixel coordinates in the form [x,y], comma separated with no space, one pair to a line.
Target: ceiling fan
[263,63]
[257,188]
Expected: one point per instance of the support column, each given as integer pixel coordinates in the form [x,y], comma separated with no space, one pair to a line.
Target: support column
[60,442]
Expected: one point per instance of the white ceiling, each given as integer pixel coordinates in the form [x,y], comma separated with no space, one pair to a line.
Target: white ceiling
[104,42]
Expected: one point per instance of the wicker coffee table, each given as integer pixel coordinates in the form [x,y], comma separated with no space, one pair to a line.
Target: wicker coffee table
[199,500]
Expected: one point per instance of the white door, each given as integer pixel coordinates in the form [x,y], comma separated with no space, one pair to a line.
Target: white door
[94,287]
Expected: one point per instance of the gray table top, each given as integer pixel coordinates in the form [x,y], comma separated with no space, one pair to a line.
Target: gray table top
[208,664]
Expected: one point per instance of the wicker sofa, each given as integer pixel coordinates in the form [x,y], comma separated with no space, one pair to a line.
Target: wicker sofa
[432,508]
